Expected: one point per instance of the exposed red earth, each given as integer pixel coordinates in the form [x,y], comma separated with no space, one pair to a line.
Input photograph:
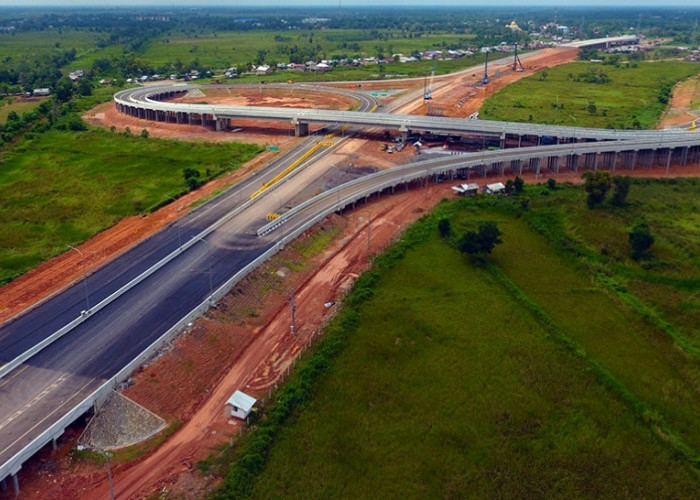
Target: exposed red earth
[252,349]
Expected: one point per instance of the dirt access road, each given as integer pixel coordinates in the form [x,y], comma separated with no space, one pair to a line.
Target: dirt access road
[246,343]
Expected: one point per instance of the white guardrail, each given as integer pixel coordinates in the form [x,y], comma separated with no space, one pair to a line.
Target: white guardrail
[413,171]
[13,465]
[11,365]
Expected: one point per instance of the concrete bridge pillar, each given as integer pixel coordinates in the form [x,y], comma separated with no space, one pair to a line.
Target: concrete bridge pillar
[502,144]
[301,129]
[404,132]
[553,164]
[574,162]
[595,162]
[15,484]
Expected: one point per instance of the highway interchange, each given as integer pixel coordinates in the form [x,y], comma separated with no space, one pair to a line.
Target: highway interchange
[58,383]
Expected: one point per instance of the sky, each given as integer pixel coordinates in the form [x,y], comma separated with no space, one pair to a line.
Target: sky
[348,3]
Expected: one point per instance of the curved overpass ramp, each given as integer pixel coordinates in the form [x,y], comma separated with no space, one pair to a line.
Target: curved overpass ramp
[152,104]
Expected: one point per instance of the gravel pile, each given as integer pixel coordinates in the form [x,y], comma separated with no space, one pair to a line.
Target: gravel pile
[120,422]
[195,93]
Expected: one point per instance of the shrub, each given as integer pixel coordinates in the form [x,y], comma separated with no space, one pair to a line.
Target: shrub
[641,240]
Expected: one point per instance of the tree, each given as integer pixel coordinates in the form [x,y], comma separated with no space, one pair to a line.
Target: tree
[76,124]
[260,58]
[552,183]
[191,176]
[64,89]
[510,186]
[597,185]
[641,241]
[481,242]
[444,227]
[84,87]
[620,190]
[588,54]
[518,184]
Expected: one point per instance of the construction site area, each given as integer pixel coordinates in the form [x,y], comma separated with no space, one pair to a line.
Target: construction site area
[244,342]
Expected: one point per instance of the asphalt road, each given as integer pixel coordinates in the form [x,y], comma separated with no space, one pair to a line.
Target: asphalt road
[35,325]
[51,383]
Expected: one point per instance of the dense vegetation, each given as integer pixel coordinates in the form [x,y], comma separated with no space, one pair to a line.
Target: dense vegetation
[561,367]
[624,96]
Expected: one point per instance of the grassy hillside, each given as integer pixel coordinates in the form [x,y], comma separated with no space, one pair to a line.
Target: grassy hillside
[591,95]
[540,374]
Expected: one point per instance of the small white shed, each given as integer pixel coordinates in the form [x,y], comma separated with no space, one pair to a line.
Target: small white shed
[240,404]
[466,189]
[495,188]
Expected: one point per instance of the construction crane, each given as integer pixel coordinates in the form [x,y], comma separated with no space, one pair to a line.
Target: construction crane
[517,65]
[428,91]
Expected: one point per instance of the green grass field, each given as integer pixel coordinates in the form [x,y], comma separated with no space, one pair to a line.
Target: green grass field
[628,100]
[17,105]
[37,43]
[63,187]
[224,49]
[529,377]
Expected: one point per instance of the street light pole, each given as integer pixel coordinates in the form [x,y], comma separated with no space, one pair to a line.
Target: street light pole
[109,475]
[294,310]
[82,257]
[369,235]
